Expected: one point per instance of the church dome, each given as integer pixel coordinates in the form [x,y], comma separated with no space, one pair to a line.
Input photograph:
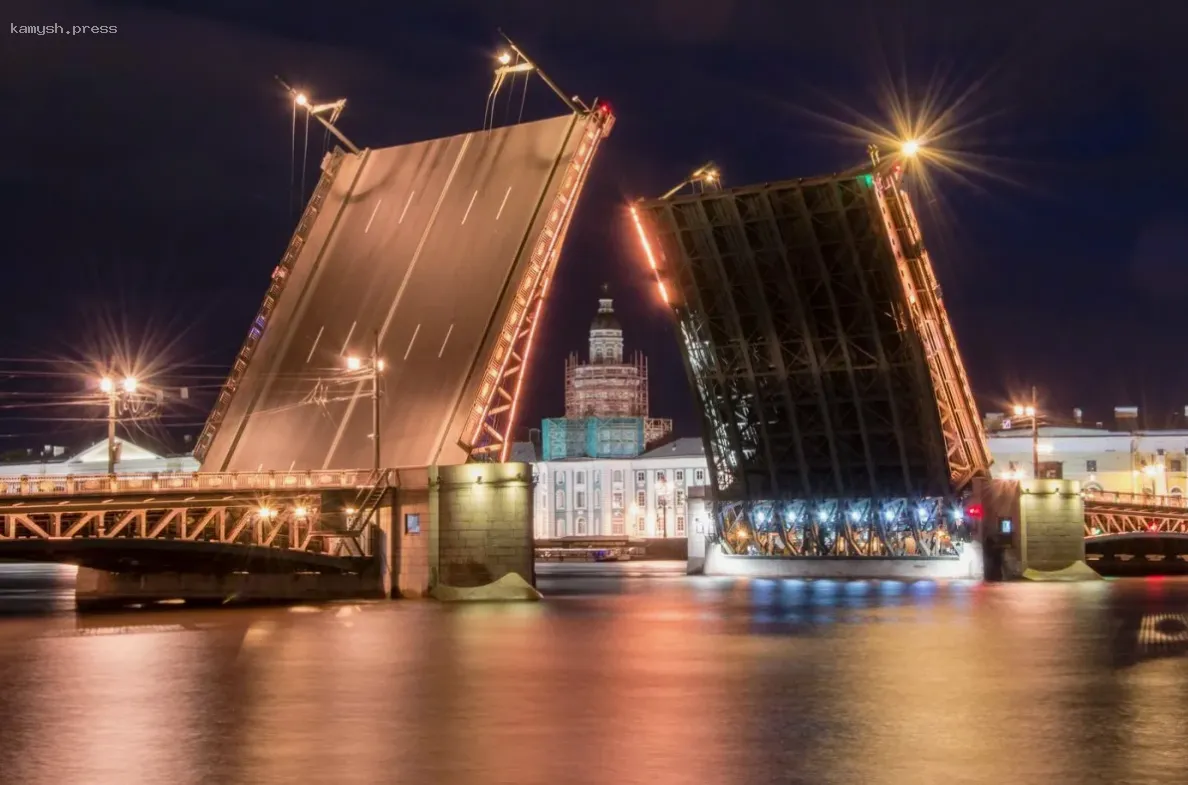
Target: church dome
[605,319]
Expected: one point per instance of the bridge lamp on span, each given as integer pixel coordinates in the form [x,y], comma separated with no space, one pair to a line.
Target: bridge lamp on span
[266,513]
[301,513]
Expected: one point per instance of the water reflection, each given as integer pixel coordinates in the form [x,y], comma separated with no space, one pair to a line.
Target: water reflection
[615,680]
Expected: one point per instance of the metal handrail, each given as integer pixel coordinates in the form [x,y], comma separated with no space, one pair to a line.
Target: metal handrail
[1135,499]
[178,482]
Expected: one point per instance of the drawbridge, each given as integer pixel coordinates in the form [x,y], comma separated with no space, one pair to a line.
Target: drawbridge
[408,297]
[837,415]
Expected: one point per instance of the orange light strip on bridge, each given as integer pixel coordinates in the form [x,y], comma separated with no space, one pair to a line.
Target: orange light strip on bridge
[647,247]
[532,289]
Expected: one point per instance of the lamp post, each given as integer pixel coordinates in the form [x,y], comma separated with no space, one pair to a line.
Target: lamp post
[375,366]
[1032,411]
[662,503]
[114,392]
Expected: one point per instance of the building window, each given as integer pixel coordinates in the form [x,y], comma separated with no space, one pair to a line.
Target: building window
[618,475]
[581,478]
[617,525]
[1175,492]
[560,500]
[580,503]
[640,525]
[659,476]
[617,500]
[1090,466]
[680,526]
[680,475]
[1175,465]
[641,477]
[412,523]
[680,498]
[581,524]
[641,499]
[560,530]
[700,475]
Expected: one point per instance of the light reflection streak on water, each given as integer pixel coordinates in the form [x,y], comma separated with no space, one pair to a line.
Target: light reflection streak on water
[676,681]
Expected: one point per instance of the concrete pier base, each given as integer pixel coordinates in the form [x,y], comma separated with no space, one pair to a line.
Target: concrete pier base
[96,589]
[967,566]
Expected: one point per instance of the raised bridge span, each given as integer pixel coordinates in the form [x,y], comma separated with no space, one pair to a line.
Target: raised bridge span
[439,251]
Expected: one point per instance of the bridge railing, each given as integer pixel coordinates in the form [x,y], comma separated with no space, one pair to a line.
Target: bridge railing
[1135,499]
[179,482]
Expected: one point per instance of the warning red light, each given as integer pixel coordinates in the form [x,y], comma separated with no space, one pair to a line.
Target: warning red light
[975,511]
[604,107]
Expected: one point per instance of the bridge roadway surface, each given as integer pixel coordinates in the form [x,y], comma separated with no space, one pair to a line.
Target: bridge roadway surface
[417,242]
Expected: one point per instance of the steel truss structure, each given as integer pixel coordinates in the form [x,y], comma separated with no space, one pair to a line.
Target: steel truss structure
[277,510]
[1114,515]
[845,527]
[280,277]
[828,377]
[487,434]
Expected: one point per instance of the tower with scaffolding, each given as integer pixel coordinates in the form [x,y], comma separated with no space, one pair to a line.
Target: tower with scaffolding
[606,399]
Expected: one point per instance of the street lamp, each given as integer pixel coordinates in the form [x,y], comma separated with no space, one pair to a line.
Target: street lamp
[114,393]
[662,503]
[1031,411]
[374,367]
[911,148]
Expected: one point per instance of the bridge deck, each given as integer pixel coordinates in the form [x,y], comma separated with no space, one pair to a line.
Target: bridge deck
[427,245]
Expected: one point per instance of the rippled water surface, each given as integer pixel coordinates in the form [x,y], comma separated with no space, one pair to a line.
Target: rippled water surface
[652,679]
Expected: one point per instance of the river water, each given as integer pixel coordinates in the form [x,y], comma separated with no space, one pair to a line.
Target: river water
[655,678]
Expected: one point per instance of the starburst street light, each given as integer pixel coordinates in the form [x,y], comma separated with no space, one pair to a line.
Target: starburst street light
[504,58]
[115,394]
[301,99]
[911,148]
[1031,412]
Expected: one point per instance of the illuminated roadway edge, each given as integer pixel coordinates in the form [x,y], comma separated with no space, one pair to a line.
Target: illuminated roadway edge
[431,244]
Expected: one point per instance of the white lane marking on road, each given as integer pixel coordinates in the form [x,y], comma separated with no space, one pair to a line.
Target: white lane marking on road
[410,340]
[291,465]
[347,342]
[383,330]
[372,218]
[447,338]
[472,198]
[503,203]
[315,344]
[406,204]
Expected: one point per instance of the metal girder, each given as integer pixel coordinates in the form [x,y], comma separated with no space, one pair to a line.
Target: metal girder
[487,434]
[290,523]
[1110,515]
[858,528]
[795,327]
[967,450]
[265,509]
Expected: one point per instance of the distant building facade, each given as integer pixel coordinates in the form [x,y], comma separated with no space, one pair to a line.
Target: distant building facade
[1124,459]
[130,459]
[660,493]
[606,399]
[664,491]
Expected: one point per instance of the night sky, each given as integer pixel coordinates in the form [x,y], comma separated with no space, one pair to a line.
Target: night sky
[146,173]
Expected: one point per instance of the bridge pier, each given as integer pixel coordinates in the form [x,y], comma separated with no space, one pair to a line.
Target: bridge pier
[1031,527]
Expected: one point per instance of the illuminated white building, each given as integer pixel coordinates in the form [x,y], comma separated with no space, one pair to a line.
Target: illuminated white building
[653,494]
[130,459]
[656,494]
